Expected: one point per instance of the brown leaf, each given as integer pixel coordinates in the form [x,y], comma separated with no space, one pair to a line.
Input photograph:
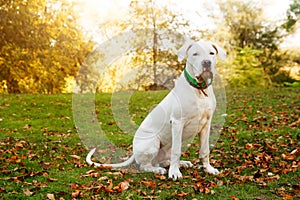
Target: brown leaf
[103,178]
[271,148]
[27,127]
[249,146]
[297,189]
[27,192]
[150,184]
[122,186]
[110,187]
[75,156]
[295,152]
[46,166]
[76,194]
[74,186]
[160,176]
[3,190]
[205,190]
[287,196]
[51,196]
[90,171]
[20,144]
[181,194]
[233,197]
[288,157]
[52,179]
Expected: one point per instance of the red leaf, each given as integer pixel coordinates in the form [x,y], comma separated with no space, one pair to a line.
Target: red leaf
[181,194]
[297,189]
[160,176]
[149,184]
[76,194]
[287,196]
[233,197]
[122,186]
[249,146]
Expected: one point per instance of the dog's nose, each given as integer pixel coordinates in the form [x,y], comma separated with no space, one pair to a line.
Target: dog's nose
[206,65]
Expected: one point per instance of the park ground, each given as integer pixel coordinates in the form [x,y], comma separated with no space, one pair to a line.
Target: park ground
[42,156]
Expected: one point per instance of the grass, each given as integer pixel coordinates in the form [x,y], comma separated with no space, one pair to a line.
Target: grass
[42,155]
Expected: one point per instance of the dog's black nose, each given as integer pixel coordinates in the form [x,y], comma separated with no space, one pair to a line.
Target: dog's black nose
[206,64]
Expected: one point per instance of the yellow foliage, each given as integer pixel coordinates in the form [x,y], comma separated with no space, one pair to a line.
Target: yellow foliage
[3,87]
[69,85]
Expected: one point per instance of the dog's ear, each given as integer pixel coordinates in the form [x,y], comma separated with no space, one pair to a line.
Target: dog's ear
[220,51]
[182,52]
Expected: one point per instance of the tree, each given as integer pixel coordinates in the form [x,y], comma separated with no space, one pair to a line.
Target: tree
[252,36]
[155,25]
[293,16]
[40,45]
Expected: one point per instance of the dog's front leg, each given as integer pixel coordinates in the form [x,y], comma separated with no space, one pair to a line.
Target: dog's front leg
[204,149]
[177,127]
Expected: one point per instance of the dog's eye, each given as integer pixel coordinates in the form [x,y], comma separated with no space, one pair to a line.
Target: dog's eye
[212,53]
[195,54]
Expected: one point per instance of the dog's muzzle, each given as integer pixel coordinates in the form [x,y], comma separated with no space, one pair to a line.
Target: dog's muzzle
[206,76]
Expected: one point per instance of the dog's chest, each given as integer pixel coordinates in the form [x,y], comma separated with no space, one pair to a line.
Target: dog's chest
[200,114]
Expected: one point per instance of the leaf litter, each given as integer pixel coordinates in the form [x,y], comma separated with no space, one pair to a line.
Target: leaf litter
[258,145]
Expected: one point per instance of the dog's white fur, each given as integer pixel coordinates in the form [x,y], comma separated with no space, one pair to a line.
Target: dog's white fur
[182,114]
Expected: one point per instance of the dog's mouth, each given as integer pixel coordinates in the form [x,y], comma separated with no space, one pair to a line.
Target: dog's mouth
[205,78]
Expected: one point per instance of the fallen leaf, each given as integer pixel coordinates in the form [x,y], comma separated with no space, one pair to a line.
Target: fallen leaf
[297,189]
[103,178]
[181,194]
[249,146]
[52,179]
[27,192]
[150,184]
[76,194]
[287,196]
[295,152]
[3,190]
[288,157]
[51,196]
[75,156]
[233,197]
[46,166]
[109,188]
[122,186]
[160,176]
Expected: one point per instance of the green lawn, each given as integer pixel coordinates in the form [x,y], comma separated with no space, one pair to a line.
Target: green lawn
[258,152]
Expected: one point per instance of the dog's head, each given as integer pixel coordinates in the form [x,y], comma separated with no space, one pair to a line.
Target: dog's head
[201,59]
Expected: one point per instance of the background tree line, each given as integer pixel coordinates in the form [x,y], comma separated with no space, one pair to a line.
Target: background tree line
[42,45]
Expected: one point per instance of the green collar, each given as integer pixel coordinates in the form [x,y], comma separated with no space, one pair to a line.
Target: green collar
[193,82]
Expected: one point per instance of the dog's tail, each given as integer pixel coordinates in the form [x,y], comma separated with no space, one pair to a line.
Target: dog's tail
[118,165]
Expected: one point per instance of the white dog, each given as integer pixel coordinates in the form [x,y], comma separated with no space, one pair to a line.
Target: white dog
[186,111]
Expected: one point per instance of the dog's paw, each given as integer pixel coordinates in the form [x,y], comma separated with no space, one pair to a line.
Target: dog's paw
[160,170]
[185,164]
[211,170]
[174,173]
[156,170]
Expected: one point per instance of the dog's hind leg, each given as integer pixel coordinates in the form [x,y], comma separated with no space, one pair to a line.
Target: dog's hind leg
[145,161]
[150,168]
[146,152]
